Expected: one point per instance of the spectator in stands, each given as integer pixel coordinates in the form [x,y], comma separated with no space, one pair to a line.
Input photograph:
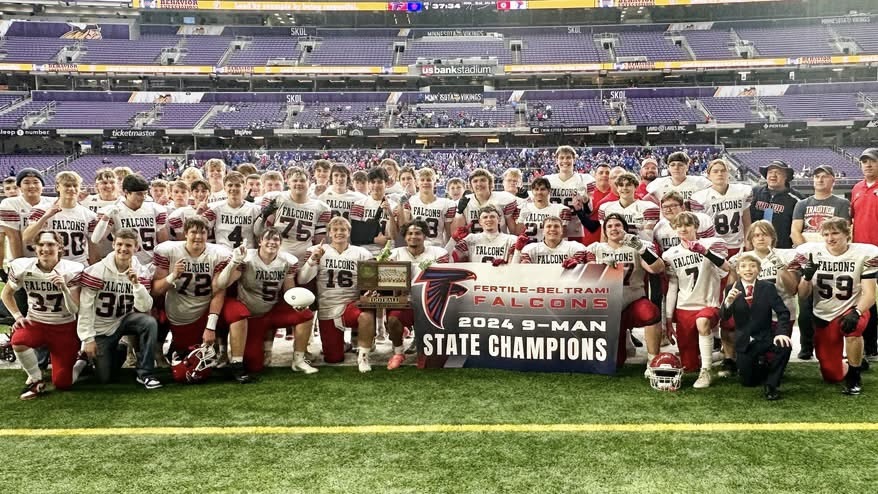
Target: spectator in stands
[774,202]
[808,215]
[864,213]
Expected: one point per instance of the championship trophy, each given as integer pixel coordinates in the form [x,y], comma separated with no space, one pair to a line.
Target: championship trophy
[384,284]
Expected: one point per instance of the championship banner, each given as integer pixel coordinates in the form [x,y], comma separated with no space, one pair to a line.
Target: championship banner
[525,317]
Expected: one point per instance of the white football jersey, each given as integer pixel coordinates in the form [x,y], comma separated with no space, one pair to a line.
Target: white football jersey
[504,201]
[641,216]
[662,185]
[485,247]
[177,218]
[540,253]
[436,214]
[726,210]
[532,217]
[563,192]
[149,219]
[191,298]
[633,282]
[233,227]
[45,301]
[261,285]
[94,203]
[75,225]
[836,284]
[664,236]
[341,204]
[108,296]
[337,279]
[365,210]
[15,215]
[776,261]
[698,279]
[298,223]
[218,196]
[431,255]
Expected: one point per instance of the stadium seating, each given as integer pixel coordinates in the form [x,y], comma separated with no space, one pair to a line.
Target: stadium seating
[260,50]
[646,111]
[730,109]
[841,106]
[710,44]
[249,115]
[561,48]
[798,159]
[353,50]
[779,41]
[652,45]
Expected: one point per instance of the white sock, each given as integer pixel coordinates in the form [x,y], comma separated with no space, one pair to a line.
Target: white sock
[705,347]
[347,336]
[28,361]
[649,357]
[364,352]
[399,350]
[298,356]
[267,346]
[236,360]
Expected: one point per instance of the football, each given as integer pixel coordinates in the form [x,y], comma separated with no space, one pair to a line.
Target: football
[299,297]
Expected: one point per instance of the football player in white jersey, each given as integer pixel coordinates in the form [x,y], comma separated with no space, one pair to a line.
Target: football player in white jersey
[553,249]
[512,183]
[635,256]
[455,188]
[51,285]
[488,246]
[840,276]
[158,189]
[407,183]
[147,218]
[115,302]
[69,219]
[15,211]
[532,213]
[695,269]
[215,171]
[233,220]
[179,196]
[272,181]
[106,194]
[184,275]
[570,188]
[189,175]
[678,180]
[300,219]
[421,256]
[482,184]
[334,264]
[339,196]
[392,168]
[196,206]
[640,216]
[437,212]
[253,189]
[263,276]
[321,172]
[374,215]
[727,204]
[664,235]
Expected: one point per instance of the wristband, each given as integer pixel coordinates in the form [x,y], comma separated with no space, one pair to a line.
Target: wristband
[648,256]
[211,322]
[170,279]
[715,259]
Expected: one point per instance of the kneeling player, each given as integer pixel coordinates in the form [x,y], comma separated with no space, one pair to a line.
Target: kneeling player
[421,257]
[840,276]
[637,259]
[53,299]
[695,269]
[553,249]
[489,245]
[263,276]
[335,266]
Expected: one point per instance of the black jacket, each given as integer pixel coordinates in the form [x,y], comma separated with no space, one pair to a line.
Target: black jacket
[753,322]
[783,203]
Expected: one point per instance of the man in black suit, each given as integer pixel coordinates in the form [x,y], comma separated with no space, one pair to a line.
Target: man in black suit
[763,347]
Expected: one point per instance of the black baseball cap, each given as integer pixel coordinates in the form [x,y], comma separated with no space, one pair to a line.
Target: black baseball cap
[28,172]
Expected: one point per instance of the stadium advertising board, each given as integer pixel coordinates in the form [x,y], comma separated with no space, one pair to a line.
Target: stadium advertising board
[578,129]
[260,5]
[451,97]
[354,132]
[667,128]
[137,133]
[525,317]
[243,132]
[28,133]
[466,69]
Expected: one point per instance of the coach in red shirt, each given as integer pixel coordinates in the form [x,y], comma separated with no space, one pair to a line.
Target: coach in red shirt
[648,173]
[864,215]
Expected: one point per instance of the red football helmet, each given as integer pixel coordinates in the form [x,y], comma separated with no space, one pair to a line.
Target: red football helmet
[195,367]
[665,372]
[6,352]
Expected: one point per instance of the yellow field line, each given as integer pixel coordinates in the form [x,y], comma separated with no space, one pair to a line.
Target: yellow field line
[447,428]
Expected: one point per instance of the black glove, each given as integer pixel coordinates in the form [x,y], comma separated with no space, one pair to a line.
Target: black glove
[809,268]
[522,193]
[269,210]
[462,204]
[849,321]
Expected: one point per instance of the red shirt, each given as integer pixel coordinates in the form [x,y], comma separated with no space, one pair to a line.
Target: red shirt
[864,212]
[640,191]
[597,198]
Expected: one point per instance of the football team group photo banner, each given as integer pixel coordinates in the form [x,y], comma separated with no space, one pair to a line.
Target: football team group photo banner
[525,317]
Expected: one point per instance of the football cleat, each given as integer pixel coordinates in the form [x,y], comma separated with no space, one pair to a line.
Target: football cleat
[304,366]
[239,373]
[32,390]
[395,361]
[149,382]
[363,363]
[703,380]
[728,368]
